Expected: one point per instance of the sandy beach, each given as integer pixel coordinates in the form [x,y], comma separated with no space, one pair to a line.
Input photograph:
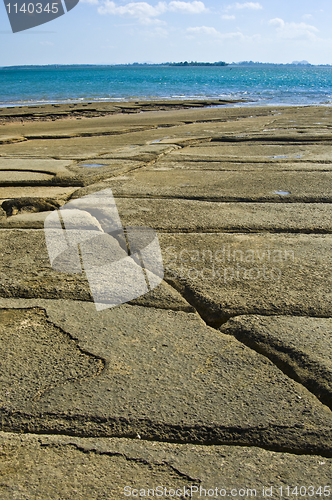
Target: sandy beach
[220,376]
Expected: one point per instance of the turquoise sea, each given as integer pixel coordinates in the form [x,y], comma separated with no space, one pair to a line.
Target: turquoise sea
[260,85]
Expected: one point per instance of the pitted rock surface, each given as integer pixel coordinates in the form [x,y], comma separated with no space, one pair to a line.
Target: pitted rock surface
[221,375]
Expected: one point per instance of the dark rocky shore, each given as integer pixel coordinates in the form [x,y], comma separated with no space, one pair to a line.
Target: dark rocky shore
[95,109]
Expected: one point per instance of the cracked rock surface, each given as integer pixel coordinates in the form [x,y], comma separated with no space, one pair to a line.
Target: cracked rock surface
[62,467]
[304,355]
[220,377]
[167,376]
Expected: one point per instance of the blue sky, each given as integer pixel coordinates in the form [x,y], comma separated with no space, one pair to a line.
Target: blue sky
[121,31]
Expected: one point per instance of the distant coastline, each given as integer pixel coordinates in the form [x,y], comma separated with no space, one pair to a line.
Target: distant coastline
[161,65]
[301,64]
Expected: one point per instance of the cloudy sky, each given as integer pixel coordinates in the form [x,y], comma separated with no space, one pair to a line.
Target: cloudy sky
[106,32]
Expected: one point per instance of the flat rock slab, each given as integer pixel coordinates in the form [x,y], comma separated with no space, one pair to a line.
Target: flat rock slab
[168,164]
[35,171]
[70,145]
[93,170]
[216,128]
[301,347]
[76,131]
[28,220]
[104,124]
[166,127]
[204,216]
[311,187]
[27,272]
[165,376]
[295,135]
[14,177]
[170,113]
[97,109]
[225,275]
[37,338]
[28,207]
[59,193]
[142,153]
[53,167]
[75,148]
[73,142]
[78,148]
[220,274]
[62,467]
[9,139]
[251,151]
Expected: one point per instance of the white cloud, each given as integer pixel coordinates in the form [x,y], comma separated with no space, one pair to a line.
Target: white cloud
[149,21]
[91,2]
[294,31]
[277,22]
[187,7]
[231,36]
[139,10]
[157,32]
[227,17]
[146,13]
[248,5]
[210,31]
[205,30]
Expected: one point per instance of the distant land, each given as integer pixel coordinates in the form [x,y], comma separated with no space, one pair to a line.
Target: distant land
[192,63]
[167,64]
[252,63]
[185,63]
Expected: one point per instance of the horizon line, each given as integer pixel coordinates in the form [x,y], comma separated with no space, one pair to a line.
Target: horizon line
[180,63]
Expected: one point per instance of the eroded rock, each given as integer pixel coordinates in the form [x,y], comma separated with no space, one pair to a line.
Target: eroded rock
[63,467]
[225,275]
[301,347]
[168,376]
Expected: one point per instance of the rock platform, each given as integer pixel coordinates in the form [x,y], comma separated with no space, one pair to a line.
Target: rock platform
[219,380]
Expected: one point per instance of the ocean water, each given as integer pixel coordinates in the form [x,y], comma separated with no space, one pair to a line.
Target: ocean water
[264,85]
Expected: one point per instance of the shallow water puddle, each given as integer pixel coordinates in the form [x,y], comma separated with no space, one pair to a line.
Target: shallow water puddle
[282,193]
[93,165]
[158,140]
[276,157]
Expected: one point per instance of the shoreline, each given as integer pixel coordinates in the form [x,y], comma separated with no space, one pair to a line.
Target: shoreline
[91,109]
[95,109]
